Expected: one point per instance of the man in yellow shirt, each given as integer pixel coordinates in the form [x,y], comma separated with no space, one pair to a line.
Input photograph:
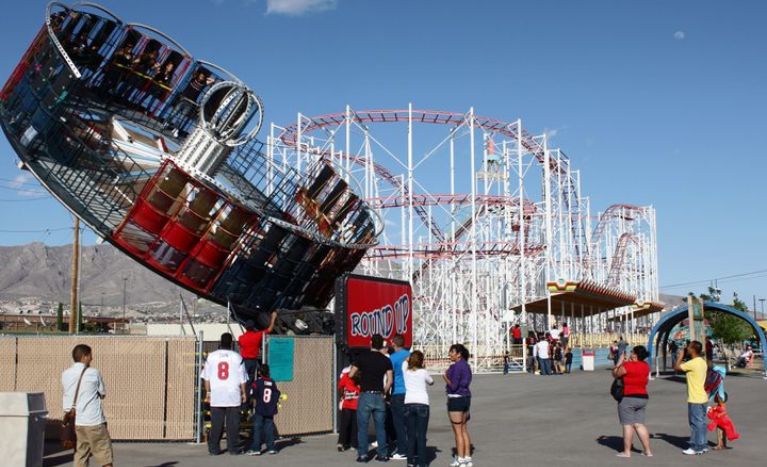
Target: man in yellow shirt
[697,399]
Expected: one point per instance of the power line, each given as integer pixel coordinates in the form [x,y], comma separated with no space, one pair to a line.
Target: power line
[58,229]
[23,200]
[759,273]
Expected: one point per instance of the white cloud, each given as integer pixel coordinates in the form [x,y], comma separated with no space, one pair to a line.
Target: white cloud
[679,35]
[19,180]
[23,185]
[550,132]
[299,7]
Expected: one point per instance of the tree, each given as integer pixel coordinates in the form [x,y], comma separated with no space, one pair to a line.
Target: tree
[726,327]
[60,317]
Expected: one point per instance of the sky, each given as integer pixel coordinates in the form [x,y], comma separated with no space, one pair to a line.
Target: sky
[657,102]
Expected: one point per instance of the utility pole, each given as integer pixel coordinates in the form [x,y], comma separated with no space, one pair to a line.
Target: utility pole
[73,296]
[754,308]
[761,300]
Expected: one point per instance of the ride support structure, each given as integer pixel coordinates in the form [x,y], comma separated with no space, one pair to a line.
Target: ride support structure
[482,217]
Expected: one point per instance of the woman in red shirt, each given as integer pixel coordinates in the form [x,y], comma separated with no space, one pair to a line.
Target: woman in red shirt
[631,409]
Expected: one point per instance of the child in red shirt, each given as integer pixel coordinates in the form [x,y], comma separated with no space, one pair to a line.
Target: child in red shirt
[722,422]
[349,390]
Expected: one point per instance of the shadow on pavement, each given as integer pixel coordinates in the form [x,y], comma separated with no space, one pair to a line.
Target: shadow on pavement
[164,464]
[54,455]
[614,442]
[431,453]
[681,442]
[287,442]
[53,461]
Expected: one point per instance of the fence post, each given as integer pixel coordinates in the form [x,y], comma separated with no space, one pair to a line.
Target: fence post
[198,395]
[335,388]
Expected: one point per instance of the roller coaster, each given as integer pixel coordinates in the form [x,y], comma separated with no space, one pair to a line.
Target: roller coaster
[487,221]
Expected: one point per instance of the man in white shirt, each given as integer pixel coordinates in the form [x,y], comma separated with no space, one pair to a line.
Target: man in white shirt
[554,333]
[225,377]
[541,351]
[90,424]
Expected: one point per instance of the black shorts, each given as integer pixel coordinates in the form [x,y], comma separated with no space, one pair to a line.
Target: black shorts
[458,404]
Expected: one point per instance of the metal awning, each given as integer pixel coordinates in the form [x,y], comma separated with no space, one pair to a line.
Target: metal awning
[579,298]
[641,310]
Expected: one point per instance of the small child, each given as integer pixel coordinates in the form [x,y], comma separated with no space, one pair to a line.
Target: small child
[506,363]
[568,360]
[722,422]
[557,361]
[266,396]
[349,390]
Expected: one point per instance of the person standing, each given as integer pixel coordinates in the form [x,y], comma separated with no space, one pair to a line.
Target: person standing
[569,360]
[621,350]
[417,404]
[542,352]
[84,390]
[673,348]
[376,378]
[225,379]
[631,409]
[553,334]
[530,343]
[349,389]
[250,346]
[398,357]
[266,397]
[565,336]
[457,381]
[695,370]
[516,335]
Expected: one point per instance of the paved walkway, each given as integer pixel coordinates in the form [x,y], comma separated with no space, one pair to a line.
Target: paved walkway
[523,421]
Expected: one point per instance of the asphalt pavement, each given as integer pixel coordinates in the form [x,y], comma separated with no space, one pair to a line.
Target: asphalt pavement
[520,420]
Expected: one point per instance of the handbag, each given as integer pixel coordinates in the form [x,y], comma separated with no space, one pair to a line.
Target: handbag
[616,389]
[68,435]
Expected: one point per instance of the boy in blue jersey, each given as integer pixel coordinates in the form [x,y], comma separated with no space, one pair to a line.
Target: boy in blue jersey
[266,396]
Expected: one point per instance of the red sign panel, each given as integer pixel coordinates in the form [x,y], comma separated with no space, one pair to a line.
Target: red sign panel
[371,305]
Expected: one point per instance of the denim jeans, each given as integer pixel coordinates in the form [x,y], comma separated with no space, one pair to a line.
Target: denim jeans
[262,425]
[545,365]
[417,425]
[400,422]
[371,403]
[696,415]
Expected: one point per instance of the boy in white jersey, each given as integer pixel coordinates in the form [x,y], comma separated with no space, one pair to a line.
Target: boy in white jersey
[225,378]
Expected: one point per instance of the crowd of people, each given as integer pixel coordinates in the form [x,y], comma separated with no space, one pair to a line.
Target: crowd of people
[389,384]
[549,353]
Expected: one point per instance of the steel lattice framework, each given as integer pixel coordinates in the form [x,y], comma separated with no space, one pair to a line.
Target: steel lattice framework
[479,214]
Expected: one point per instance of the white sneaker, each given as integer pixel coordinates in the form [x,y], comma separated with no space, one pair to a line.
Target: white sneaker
[398,457]
[456,462]
[467,462]
[691,452]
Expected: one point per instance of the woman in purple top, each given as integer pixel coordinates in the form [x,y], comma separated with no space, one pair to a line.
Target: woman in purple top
[457,381]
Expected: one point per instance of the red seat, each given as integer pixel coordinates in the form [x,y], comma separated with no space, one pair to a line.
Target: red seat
[147,217]
[179,237]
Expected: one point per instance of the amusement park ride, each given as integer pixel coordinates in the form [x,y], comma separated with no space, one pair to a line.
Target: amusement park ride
[156,151]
